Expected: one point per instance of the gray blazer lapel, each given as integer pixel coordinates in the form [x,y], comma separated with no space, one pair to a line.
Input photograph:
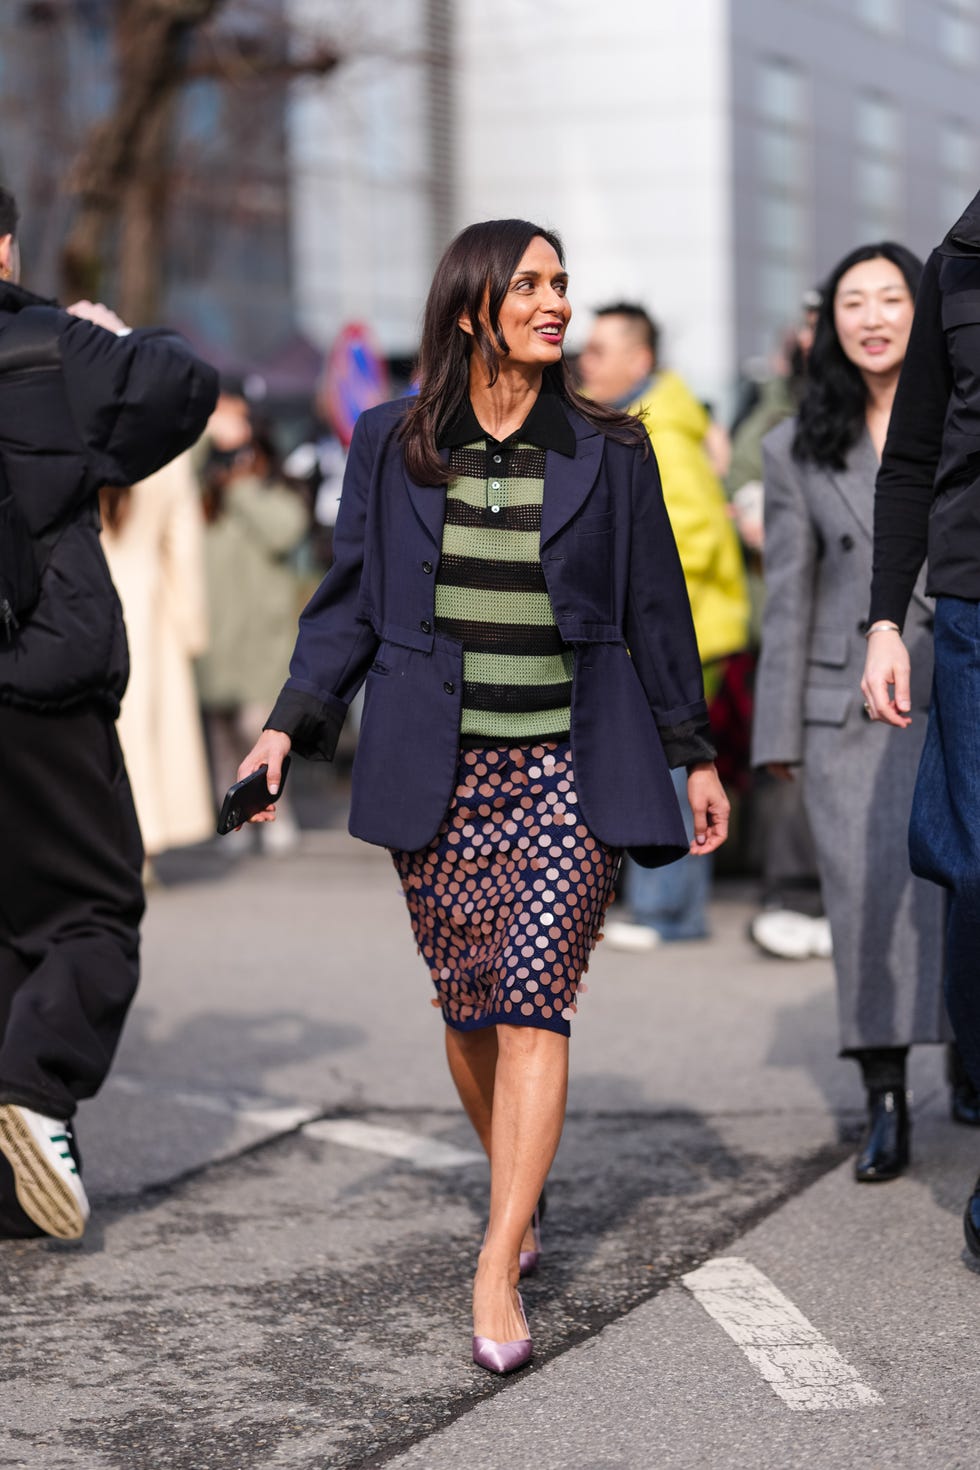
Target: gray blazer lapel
[429,502]
[856,487]
[567,482]
[856,483]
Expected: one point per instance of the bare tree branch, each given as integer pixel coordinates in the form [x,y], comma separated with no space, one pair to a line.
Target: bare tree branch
[123,170]
[151,47]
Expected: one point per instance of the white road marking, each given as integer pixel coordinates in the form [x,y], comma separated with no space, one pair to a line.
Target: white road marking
[260,1112]
[275,1117]
[423,1153]
[797,1363]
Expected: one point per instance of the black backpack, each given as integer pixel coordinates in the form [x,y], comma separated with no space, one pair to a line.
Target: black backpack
[20,569]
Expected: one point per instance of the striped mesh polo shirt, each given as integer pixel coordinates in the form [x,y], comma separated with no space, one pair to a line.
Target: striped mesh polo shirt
[490,592]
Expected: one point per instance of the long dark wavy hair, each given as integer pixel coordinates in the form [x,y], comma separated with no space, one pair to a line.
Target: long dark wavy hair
[832,412]
[472,278]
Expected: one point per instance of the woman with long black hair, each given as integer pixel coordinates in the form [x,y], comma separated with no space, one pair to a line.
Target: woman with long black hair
[858,777]
[507,585]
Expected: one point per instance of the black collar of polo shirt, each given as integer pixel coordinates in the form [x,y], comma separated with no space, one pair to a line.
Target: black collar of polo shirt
[546,426]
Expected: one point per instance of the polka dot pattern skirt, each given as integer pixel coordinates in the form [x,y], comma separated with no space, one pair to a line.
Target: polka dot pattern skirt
[508,900]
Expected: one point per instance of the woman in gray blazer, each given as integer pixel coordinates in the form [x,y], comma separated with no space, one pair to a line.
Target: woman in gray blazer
[857,776]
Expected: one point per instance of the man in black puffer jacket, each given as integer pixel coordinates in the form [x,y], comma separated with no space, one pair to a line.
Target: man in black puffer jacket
[84,402]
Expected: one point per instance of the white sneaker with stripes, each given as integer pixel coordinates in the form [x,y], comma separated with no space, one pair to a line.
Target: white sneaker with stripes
[49,1188]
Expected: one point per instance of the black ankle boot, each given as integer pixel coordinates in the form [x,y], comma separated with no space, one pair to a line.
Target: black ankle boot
[964,1100]
[885,1152]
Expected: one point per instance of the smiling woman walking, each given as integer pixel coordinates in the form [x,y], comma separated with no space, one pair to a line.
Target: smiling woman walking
[507,583]
[857,777]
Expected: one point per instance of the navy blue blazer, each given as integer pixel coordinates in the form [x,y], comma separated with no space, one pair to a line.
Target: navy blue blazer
[620,601]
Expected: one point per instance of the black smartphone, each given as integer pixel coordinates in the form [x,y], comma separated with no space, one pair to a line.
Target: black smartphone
[247,797]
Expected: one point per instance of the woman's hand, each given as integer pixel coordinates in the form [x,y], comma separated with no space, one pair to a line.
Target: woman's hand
[887,667]
[710,807]
[102,316]
[270,750]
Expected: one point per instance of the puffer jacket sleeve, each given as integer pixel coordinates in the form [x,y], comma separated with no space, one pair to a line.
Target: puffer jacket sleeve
[137,400]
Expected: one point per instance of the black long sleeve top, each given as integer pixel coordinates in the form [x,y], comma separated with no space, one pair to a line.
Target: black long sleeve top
[927,500]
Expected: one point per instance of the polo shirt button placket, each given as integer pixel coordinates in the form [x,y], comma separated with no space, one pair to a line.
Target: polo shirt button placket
[494,480]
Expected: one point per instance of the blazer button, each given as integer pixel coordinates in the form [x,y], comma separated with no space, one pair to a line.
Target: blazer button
[425,625]
[847,543]
[427,568]
[449,687]
[863,626]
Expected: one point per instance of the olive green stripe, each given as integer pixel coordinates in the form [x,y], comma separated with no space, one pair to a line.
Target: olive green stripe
[490,544]
[515,727]
[521,668]
[482,606]
[514,492]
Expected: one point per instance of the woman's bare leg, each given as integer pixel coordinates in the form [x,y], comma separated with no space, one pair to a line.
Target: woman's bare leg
[472,1057]
[529,1094]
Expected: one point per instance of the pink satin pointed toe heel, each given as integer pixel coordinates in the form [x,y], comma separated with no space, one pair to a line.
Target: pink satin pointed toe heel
[504,1357]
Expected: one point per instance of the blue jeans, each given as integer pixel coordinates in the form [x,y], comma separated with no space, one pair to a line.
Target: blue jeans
[672,900]
[944,832]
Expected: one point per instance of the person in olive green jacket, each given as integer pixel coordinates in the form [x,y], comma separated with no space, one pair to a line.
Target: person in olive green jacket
[619,367]
[254,525]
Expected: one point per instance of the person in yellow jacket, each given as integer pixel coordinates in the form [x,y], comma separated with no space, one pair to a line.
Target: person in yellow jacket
[619,367]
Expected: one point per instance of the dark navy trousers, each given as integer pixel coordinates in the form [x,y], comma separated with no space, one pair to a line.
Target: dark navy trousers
[944,833]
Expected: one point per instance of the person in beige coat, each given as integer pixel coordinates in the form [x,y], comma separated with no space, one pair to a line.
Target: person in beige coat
[153,536]
[255,523]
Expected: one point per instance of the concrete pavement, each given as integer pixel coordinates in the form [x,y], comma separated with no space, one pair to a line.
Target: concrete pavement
[255,1292]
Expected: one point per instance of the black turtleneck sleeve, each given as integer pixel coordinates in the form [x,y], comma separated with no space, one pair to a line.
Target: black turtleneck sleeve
[906,480]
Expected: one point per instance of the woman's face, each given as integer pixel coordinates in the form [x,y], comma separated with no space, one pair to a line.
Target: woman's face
[535,311]
[873,315]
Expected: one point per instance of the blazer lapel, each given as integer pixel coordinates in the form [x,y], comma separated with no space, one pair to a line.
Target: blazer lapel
[429,503]
[855,484]
[567,482]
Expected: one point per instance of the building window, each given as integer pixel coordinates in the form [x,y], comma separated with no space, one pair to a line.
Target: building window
[782,198]
[959,167]
[781,94]
[779,157]
[958,31]
[878,173]
[783,225]
[881,15]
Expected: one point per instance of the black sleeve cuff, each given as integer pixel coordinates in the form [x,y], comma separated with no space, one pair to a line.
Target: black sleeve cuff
[686,744]
[889,603]
[312,726]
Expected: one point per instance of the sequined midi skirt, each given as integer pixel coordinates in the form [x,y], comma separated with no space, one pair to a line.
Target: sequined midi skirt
[509,898]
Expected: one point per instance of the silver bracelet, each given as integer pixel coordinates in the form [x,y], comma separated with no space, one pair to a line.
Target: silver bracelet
[880,627]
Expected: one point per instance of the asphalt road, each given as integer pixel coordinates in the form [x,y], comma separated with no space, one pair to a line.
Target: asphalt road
[288,1206]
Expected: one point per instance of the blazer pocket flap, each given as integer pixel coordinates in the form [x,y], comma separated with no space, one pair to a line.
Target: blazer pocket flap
[595,524]
[829,648]
[961,308]
[408,637]
[823,706]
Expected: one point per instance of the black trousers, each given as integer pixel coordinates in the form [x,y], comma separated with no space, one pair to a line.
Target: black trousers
[71,900]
